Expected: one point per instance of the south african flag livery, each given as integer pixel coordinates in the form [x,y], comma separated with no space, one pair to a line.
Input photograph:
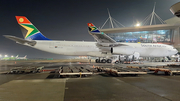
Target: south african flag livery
[30,32]
[93,28]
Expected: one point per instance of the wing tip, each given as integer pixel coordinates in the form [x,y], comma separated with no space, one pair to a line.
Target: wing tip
[6,36]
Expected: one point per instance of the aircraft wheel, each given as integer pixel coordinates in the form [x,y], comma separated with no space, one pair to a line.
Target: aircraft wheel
[109,60]
[97,61]
[116,62]
[103,61]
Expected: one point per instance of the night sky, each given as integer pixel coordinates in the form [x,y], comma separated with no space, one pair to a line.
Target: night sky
[67,19]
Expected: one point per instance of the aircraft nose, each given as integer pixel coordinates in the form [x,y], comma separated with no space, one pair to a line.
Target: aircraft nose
[175,51]
[172,52]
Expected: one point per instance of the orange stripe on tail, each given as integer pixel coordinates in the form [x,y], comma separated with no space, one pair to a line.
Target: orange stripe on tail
[90,25]
[22,20]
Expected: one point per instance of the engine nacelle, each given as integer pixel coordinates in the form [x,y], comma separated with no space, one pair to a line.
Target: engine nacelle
[122,50]
[99,54]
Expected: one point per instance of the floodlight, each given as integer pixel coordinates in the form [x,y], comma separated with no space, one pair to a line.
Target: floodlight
[138,24]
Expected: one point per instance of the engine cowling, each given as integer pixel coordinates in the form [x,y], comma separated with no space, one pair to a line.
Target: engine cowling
[122,50]
[99,54]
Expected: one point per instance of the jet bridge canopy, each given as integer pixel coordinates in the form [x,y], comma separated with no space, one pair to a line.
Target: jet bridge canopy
[140,28]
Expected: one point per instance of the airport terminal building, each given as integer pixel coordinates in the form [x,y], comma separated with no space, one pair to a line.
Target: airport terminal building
[168,33]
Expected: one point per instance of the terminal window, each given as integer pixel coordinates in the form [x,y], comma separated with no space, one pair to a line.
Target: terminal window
[143,36]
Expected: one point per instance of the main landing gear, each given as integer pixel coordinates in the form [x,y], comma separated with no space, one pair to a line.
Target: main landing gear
[103,61]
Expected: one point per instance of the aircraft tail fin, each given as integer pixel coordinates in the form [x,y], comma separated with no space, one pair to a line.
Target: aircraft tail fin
[30,32]
[99,36]
[93,29]
[17,56]
[25,56]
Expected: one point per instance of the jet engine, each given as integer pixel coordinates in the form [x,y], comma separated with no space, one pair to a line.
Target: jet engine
[122,50]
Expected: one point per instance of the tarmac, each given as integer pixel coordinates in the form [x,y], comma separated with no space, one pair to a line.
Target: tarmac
[98,87]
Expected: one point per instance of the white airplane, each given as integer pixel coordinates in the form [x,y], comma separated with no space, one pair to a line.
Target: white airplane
[21,58]
[105,47]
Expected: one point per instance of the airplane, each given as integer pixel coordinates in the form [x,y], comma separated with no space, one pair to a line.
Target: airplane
[104,47]
[21,58]
[10,58]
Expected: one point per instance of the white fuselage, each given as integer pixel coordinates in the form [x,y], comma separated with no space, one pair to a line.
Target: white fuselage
[78,48]
[21,58]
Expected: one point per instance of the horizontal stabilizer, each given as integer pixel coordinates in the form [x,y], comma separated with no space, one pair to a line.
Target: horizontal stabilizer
[20,40]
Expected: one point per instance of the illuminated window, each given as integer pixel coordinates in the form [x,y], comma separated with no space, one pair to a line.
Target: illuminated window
[143,36]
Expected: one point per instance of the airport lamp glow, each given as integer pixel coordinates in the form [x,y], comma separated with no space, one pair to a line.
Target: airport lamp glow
[5,55]
[138,24]
[12,56]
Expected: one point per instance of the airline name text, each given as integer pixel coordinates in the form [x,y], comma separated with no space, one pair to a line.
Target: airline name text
[143,45]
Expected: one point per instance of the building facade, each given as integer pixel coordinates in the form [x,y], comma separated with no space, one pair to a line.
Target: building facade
[168,33]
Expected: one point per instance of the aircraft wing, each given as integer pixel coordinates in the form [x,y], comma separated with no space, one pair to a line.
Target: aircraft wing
[103,38]
[100,37]
[20,40]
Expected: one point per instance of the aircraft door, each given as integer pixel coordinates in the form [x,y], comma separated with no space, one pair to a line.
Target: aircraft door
[55,45]
[51,45]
